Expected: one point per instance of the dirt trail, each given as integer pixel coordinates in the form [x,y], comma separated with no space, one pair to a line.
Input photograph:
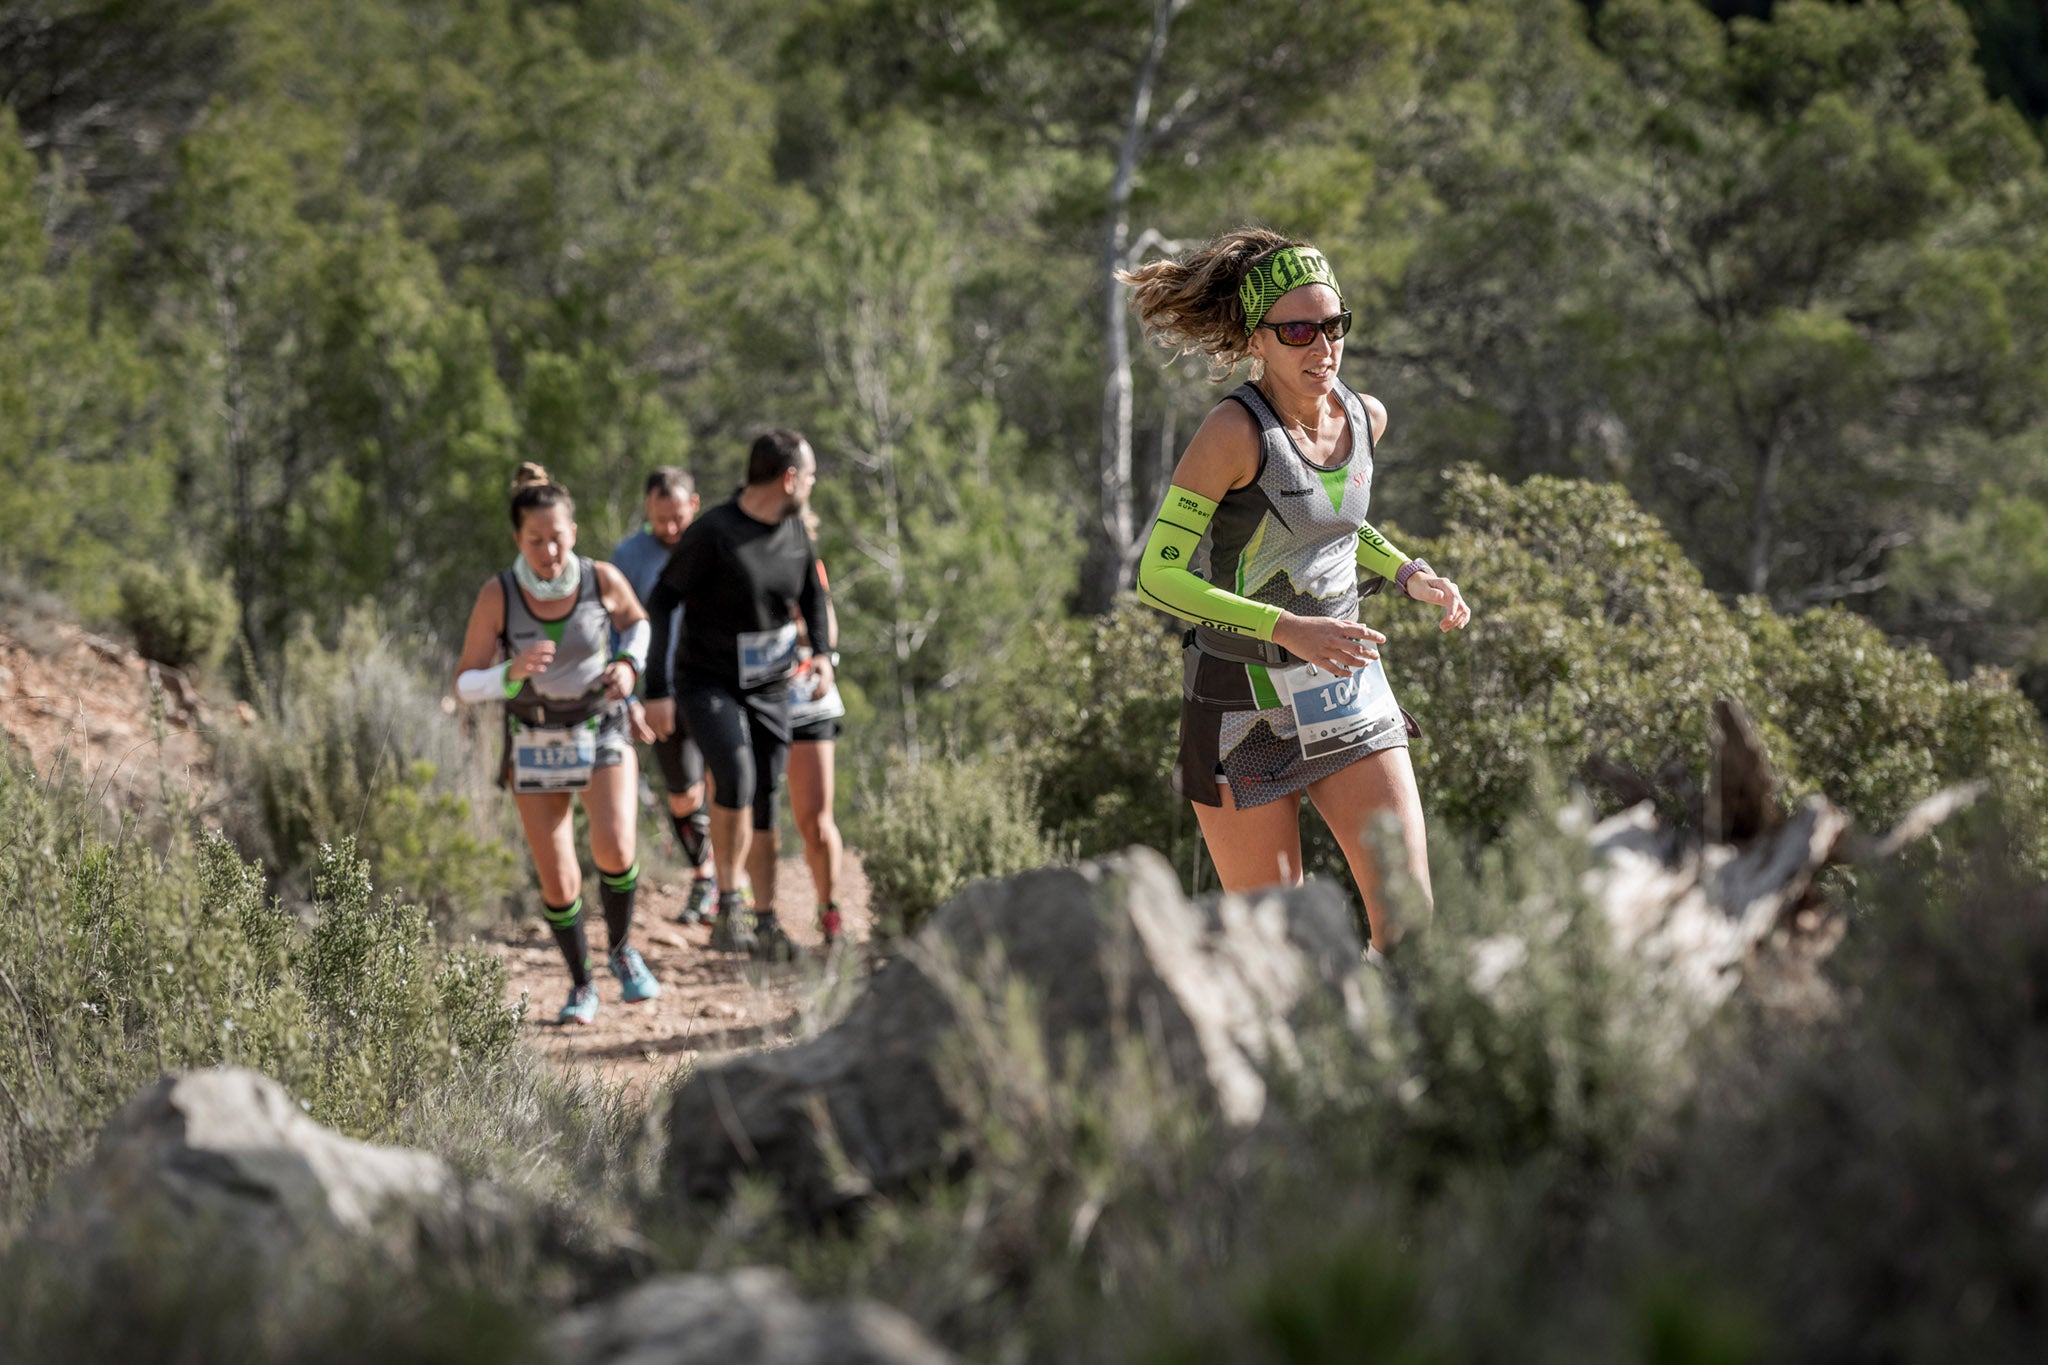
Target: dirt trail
[710,1002]
[71,700]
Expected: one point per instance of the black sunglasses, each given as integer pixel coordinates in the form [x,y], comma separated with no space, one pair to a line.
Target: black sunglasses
[1302,333]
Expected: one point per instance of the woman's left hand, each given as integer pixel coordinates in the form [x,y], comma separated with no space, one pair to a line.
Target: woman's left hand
[1431,587]
[636,721]
[619,678]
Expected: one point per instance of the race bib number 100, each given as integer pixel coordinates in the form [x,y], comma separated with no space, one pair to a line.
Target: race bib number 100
[1338,711]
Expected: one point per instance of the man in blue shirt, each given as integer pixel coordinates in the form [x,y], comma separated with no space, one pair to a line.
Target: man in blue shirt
[671,505]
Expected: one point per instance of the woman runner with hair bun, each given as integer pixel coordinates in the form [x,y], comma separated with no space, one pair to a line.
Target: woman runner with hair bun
[1261,543]
[540,641]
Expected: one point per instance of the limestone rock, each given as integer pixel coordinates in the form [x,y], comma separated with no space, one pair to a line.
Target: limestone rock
[230,1152]
[744,1317]
[1109,951]
[224,1165]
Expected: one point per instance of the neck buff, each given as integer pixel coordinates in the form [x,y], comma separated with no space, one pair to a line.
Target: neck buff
[549,589]
[1277,272]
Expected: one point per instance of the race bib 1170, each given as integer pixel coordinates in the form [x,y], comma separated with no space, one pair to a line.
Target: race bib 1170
[553,759]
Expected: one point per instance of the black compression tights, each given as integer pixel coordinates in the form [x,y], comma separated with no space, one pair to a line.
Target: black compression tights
[745,756]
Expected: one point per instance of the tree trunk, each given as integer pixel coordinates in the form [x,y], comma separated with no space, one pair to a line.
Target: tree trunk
[1763,516]
[1116,542]
[241,459]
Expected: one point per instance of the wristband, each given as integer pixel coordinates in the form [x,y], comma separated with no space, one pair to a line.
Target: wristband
[1408,571]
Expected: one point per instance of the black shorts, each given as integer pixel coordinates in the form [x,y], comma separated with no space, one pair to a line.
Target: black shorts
[744,737]
[817,732]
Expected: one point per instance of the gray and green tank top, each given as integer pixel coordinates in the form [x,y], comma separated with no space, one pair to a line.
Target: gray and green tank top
[572,689]
[1289,539]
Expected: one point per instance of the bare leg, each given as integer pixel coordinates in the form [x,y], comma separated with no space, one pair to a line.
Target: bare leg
[810,800]
[1349,800]
[608,801]
[1256,847]
[731,833]
[550,833]
[762,852]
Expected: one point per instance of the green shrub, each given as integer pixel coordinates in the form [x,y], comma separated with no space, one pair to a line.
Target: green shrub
[1593,636]
[356,746]
[936,827]
[121,962]
[1101,742]
[185,617]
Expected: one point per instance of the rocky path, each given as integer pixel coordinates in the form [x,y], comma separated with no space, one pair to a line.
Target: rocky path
[710,1002]
[73,700]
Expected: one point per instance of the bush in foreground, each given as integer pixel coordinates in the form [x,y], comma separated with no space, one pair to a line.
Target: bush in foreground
[122,962]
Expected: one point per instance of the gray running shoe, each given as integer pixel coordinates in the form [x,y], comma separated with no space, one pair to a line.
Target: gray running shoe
[700,903]
[733,931]
[771,944]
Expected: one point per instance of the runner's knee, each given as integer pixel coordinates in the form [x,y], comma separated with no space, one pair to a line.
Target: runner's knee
[734,782]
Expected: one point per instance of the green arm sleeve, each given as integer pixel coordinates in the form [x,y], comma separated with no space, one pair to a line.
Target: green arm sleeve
[1165,582]
[1377,553]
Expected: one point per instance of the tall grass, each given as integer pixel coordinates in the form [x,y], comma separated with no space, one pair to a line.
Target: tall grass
[355,744]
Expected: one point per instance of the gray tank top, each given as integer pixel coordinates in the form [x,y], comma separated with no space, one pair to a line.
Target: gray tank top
[1289,538]
[570,690]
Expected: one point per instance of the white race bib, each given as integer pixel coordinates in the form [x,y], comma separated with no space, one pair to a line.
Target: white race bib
[553,759]
[766,655]
[1337,711]
[808,707]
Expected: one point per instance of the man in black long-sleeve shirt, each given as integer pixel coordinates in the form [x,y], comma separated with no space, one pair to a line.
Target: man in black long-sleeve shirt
[742,572]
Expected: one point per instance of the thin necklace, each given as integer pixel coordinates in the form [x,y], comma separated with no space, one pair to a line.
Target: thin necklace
[1309,437]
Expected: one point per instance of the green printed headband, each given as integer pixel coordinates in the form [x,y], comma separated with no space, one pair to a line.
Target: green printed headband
[1277,272]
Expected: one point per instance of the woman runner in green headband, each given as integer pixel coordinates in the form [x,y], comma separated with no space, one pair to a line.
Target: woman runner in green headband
[1263,545]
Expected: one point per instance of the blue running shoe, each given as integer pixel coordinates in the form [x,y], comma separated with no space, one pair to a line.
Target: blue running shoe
[582,1006]
[636,983]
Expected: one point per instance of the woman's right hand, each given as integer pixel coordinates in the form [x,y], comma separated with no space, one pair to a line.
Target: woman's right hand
[1327,642]
[535,658]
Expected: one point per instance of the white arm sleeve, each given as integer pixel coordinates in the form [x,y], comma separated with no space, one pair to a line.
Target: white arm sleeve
[632,646]
[485,684]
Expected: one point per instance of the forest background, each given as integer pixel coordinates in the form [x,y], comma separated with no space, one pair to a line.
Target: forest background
[290,288]
[1714,338]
